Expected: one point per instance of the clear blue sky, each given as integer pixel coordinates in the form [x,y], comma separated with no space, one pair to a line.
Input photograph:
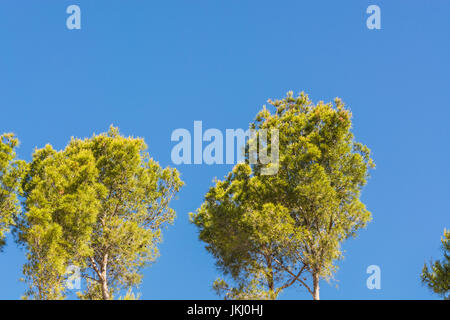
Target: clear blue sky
[150,67]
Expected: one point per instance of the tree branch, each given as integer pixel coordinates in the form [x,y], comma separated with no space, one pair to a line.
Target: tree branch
[292,274]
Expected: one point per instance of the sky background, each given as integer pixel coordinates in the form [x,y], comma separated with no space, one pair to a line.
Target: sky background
[150,67]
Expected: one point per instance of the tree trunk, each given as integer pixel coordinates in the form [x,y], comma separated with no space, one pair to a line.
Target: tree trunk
[104,278]
[105,291]
[316,294]
[270,280]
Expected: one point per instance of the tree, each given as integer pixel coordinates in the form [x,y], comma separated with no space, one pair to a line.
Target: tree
[99,205]
[437,275]
[269,232]
[11,170]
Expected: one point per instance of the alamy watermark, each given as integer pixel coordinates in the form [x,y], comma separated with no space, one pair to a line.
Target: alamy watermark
[374,281]
[74,20]
[213,152]
[374,20]
[73,281]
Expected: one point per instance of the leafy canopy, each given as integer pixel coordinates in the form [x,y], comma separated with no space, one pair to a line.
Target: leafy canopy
[100,205]
[11,171]
[269,232]
[437,275]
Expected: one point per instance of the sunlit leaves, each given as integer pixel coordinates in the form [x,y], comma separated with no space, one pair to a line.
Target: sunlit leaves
[11,171]
[271,232]
[99,204]
[437,275]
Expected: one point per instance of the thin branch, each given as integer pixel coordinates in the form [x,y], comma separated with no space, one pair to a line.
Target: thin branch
[94,266]
[292,274]
[288,284]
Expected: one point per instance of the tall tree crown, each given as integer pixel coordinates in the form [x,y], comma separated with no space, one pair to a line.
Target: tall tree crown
[269,231]
[100,205]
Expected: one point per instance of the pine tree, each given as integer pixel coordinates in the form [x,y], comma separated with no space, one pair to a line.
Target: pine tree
[437,275]
[11,171]
[269,232]
[100,205]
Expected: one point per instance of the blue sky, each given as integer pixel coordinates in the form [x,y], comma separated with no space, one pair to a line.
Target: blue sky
[150,67]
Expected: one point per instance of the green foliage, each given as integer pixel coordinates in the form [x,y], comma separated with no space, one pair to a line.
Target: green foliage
[269,232]
[11,171]
[249,290]
[130,295]
[437,275]
[99,204]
